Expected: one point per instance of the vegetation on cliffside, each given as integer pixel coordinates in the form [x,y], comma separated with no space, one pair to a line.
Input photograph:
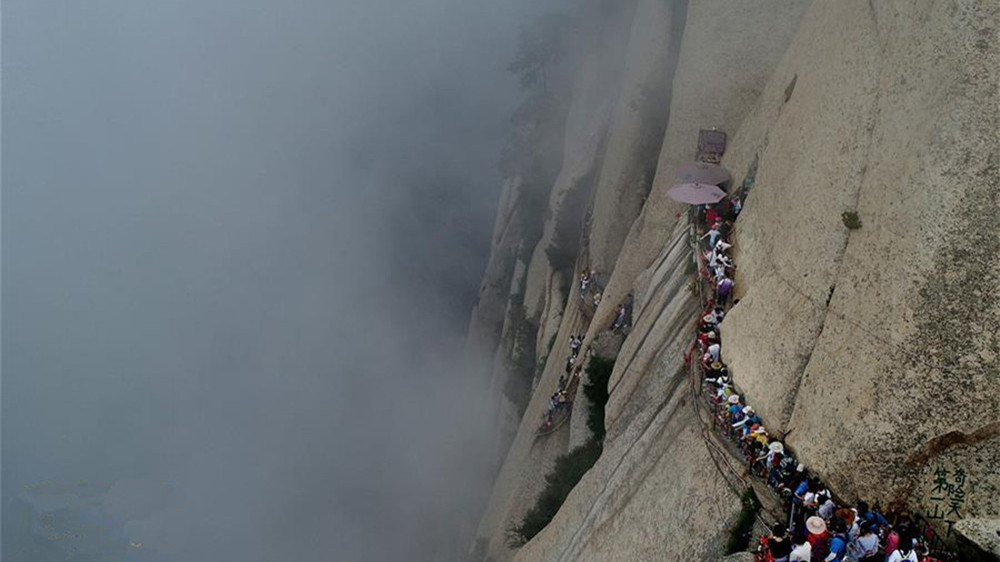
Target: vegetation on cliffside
[571,467]
[522,364]
[742,529]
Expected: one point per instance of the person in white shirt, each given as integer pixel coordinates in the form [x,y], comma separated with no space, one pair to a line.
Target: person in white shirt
[718,314]
[720,272]
[826,505]
[713,236]
[904,552]
[711,260]
[715,351]
[801,553]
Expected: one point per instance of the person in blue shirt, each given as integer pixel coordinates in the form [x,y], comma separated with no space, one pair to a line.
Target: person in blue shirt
[838,544]
[873,517]
[748,420]
[801,489]
[736,411]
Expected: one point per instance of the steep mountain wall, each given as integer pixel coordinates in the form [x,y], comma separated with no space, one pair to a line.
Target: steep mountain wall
[605,127]
[874,347]
[655,493]
[728,50]
[636,132]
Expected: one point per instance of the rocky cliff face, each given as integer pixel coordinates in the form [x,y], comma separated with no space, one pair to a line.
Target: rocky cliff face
[874,347]
[871,347]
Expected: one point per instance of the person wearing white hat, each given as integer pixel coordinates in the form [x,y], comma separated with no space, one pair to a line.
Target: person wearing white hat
[771,457]
[714,318]
[750,418]
[818,537]
[774,449]
[735,408]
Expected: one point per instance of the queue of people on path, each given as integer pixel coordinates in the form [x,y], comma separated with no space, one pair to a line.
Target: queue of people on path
[586,276]
[590,291]
[560,401]
[817,527]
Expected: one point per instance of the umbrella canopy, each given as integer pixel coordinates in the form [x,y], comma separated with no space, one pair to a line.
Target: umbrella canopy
[696,193]
[703,172]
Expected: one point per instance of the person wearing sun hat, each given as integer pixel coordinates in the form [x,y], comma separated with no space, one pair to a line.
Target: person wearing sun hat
[735,407]
[710,320]
[706,339]
[749,420]
[818,537]
[747,411]
[772,454]
[759,434]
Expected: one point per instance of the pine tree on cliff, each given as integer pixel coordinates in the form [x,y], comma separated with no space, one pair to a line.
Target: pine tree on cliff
[542,45]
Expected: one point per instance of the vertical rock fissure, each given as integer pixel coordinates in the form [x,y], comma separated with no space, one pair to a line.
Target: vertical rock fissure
[858,181]
[600,498]
[663,308]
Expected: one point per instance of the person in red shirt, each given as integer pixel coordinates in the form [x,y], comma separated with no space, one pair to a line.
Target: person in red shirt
[818,537]
[711,215]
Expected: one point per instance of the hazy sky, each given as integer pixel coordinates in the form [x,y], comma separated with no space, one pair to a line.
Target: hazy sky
[241,239]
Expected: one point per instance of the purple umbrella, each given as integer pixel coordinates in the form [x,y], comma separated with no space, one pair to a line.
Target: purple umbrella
[696,193]
[702,172]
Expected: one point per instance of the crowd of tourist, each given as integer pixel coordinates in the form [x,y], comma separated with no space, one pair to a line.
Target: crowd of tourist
[560,402]
[590,291]
[816,527]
